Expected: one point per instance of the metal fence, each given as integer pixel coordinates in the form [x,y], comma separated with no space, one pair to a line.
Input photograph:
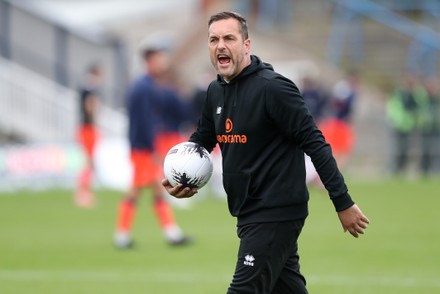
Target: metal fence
[40,110]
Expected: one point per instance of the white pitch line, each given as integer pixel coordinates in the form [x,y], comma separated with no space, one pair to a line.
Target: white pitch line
[191,277]
[109,276]
[394,282]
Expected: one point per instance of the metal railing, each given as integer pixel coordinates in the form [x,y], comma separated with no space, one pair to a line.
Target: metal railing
[40,110]
[348,13]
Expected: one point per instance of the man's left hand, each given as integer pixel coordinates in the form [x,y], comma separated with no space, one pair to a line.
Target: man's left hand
[353,220]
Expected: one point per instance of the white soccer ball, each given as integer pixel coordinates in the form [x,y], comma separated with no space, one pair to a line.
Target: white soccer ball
[189,164]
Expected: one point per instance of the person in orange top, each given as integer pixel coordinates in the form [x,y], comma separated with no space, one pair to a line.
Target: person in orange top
[88,134]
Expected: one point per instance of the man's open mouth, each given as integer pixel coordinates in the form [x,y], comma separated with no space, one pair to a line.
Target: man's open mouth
[223,59]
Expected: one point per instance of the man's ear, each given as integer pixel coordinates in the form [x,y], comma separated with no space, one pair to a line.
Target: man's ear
[247,45]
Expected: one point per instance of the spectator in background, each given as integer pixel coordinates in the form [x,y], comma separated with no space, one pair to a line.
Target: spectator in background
[338,127]
[153,112]
[315,98]
[87,133]
[344,96]
[429,123]
[403,110]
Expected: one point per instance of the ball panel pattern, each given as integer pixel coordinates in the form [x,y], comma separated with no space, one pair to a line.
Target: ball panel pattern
[188,164]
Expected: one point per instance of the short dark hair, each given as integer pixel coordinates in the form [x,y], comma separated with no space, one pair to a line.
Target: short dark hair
[231,14]
[94,68]
[148,52]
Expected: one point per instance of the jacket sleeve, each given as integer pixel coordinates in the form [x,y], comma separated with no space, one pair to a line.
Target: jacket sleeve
[205,132]
[287,108]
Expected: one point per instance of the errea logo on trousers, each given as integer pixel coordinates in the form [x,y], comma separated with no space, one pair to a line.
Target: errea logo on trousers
[249,260]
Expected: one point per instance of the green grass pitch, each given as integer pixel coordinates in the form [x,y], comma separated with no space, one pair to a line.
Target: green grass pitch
[47,245]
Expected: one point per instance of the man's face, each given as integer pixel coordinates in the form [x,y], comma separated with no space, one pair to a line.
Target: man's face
[158,63]
[228,51]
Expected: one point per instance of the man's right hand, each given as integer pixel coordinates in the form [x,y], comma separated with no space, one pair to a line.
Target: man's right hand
[177,191]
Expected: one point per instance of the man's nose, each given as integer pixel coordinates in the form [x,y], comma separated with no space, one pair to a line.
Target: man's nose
[221,44]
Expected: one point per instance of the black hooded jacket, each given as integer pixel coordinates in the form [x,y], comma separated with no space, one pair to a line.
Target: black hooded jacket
[263,128]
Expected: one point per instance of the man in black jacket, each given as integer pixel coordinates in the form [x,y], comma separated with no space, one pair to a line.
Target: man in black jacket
[263,128]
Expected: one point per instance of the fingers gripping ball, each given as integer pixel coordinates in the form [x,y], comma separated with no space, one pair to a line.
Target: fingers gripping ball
[188,164]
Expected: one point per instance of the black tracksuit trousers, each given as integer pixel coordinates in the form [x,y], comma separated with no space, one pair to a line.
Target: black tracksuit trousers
[268,261]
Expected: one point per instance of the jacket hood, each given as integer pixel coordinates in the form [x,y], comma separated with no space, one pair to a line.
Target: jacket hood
[256,65]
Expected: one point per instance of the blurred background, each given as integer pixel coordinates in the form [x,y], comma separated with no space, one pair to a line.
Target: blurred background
[368,70]
[46,47]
